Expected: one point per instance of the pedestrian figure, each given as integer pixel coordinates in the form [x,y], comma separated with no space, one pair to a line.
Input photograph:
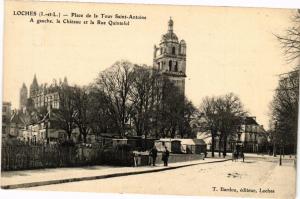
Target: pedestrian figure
[153,154]
[242,154]
[136,159]
[165,156]
[235,155]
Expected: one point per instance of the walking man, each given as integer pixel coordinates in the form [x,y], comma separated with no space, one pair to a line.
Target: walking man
[165,156]
[153,154]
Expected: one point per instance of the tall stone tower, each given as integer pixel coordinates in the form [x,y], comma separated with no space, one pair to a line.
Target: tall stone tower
[34,87]
[170,57]
[23,96]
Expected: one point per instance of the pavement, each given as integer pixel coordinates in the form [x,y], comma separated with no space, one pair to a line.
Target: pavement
[255,177]
[42,177]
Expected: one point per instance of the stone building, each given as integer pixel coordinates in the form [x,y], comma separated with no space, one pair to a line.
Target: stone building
[23,97]
[17,123]
[6,114]
[170,58]
[252,136]
[41,95]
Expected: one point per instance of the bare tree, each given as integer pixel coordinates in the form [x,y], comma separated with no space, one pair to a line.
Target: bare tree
[81,116]
[66,111]
[116,82]
[98,111]
[208,110]
[290,42]
[231,113]
[141,95]
[141,100]
[284,109]
[190,113]
[171,109]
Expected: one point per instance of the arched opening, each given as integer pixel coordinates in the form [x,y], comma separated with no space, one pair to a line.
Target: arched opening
[176,67]
[170,65]
[173,50]
[158,65]
[161,50]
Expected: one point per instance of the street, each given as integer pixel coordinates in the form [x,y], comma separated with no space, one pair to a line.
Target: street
[256,177]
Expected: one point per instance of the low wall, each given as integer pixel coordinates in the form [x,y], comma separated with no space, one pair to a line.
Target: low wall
[173,158]
[35,157]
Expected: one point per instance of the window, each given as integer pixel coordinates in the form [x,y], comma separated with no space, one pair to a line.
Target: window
[239,137]
[176,67]
[161,50]
[170,65]
[173,50]
[158,65]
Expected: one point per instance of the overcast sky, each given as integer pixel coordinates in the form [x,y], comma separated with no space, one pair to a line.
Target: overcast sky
[228,49]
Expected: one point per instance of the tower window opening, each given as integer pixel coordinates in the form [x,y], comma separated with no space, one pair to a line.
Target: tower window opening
[173,50]
[176,67]
[170,65]
[161,50]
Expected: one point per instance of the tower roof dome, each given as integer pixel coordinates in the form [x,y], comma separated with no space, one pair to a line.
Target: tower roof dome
[170,35]
[182,42]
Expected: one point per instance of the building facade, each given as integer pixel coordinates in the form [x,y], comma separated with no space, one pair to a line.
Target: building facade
[170,58]
[23,97]
[41,95]
[6,114]
[252,136]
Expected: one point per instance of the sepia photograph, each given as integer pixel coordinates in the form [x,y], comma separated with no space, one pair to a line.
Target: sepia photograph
[181,100]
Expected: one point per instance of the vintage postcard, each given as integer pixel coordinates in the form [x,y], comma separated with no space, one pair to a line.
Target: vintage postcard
[150,99]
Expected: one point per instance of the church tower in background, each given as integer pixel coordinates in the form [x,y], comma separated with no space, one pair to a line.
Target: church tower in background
[34,87]
[170,57]
[23,96]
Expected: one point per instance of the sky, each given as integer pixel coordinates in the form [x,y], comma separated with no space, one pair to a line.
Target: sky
[228,49]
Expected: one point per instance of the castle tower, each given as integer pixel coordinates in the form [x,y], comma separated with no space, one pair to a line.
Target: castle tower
[65,82]
[34,87]
[170,57]
[23,96]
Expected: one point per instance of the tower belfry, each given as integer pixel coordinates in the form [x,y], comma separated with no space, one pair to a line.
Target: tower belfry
[33,87]
[170,57]
[23,97]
